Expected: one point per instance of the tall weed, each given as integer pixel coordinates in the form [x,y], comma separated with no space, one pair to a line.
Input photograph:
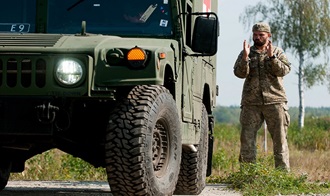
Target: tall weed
[314,136]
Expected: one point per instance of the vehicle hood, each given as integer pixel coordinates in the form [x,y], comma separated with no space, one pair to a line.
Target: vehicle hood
[67,43]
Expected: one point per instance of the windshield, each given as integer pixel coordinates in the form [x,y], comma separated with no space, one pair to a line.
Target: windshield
[17,16]
[115,17]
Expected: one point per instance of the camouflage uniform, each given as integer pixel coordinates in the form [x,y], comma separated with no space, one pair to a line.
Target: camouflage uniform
[264,98]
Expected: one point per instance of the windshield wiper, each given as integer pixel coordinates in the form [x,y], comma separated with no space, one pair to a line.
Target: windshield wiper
[148,13]
[75,5]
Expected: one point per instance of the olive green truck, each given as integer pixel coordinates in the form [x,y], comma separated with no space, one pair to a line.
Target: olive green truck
[125,85]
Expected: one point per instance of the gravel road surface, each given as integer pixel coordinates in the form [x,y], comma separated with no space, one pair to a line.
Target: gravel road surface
[64,188]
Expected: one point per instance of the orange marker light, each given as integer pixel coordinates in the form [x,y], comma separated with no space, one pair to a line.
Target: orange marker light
[162,55]
[136,54]
[136,58]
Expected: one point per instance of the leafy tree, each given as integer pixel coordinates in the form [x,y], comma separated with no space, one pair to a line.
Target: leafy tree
[225,114]
[303,28]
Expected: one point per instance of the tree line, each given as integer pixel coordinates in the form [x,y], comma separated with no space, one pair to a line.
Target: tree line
[230,114]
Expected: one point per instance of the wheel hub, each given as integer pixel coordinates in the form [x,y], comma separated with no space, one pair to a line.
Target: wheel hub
[159,149]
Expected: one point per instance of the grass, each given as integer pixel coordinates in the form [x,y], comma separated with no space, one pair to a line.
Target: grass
[57,165]
[315,164]
[309,159]
[258,179]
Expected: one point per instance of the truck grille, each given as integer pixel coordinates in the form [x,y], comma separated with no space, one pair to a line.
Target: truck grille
[23,72]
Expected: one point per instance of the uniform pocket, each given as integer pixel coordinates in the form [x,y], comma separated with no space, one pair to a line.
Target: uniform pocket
[287,115]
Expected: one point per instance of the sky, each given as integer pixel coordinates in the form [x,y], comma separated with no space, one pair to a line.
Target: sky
[232,35]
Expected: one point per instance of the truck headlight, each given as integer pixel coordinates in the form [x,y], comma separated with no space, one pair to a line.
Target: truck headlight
[69,71]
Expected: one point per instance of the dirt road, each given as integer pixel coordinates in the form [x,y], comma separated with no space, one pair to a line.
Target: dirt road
[63,188]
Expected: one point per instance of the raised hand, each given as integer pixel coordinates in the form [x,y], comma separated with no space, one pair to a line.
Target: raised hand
[270,49]
[246,50]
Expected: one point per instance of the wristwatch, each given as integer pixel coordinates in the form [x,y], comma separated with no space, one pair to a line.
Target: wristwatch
[273,57]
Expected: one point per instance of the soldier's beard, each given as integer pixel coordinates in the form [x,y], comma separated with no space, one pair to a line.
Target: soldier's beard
[258,42]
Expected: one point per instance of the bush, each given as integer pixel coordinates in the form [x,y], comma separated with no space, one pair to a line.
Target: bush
[314,136]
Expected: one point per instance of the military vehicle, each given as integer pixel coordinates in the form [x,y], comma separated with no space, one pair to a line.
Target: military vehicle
[125,85]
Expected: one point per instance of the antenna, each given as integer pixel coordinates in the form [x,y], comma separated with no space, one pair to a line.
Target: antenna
[83,27]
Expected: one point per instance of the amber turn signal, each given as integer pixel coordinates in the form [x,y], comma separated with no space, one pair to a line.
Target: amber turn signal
[136,57]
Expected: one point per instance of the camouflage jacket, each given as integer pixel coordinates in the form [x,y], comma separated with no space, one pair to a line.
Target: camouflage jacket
[263,77]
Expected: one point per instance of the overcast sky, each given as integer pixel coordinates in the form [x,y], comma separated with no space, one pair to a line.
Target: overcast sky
[232,34]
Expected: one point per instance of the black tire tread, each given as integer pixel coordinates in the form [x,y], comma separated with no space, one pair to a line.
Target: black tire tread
[193,164]
[126,142]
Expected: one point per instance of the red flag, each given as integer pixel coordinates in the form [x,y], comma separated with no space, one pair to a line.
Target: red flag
[206,5]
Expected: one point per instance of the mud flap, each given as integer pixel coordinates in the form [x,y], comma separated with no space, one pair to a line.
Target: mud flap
[210,152]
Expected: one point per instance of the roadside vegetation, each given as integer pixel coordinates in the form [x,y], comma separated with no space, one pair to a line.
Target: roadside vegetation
[309,158]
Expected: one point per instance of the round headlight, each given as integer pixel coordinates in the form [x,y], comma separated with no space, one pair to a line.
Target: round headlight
[69,71]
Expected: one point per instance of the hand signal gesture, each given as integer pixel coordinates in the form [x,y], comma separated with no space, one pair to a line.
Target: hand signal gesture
[246,50]
[270,49]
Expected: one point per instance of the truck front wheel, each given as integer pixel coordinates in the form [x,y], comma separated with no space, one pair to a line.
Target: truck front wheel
[143,143]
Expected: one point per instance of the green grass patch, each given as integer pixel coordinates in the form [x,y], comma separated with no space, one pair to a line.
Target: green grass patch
[314,136]
[258,179]
[57,165]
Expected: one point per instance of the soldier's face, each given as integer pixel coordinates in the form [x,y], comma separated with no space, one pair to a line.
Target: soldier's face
[260,38]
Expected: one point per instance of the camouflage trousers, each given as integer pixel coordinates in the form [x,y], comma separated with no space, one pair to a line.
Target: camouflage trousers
[277,119]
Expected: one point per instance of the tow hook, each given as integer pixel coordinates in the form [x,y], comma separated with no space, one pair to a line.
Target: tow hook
[46,113]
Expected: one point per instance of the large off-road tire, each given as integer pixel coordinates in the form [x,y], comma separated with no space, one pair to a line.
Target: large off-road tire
[5,168]
[194,164]
[143,143]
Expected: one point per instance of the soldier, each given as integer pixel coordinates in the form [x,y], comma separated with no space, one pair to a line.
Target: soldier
[263,98]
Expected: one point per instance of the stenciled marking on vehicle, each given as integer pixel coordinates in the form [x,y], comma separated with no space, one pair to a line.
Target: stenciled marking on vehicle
[15,27]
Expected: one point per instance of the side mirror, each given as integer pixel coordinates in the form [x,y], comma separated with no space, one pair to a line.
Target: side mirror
[205,35]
